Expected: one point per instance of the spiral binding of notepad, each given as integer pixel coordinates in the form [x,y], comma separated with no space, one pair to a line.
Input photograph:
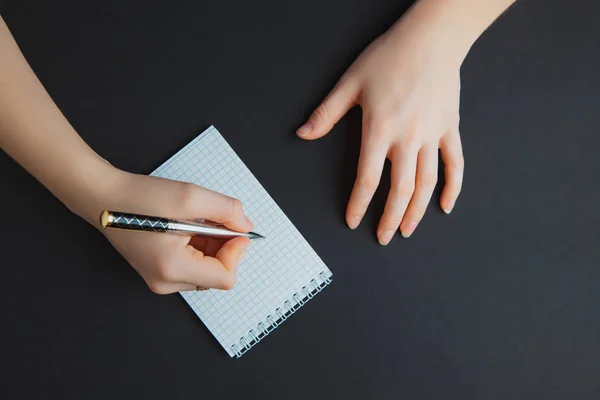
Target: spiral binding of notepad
[282,313]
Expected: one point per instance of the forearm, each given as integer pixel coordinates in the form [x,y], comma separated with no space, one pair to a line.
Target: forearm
[35,133]
[455,24]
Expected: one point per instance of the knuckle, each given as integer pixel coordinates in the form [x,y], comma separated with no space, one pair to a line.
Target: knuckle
[227,282]
[188,195]
[457,163]
[390,109]
[405,188]
[391,223]
[165,272]
[378,130]
[455,188]
[198,256]
[453,121]
[428,181]
[368,182]
[411,141]
[417,214]
[321,113]
[237,206]
[346,78]
[158,287]
[378,136]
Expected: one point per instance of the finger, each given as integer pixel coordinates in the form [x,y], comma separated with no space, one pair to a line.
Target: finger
[209,246]
[213,246]
[168,288]
[452,156]
[203,203]
[370,165]
[199,243]
[404,164]
[341,99]
[188,201]
[427,166]
[232,251]
[215,272]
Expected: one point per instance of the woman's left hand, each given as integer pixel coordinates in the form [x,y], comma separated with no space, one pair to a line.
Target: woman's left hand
[408,85]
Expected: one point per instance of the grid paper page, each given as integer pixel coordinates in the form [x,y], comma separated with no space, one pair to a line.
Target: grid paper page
[277,275]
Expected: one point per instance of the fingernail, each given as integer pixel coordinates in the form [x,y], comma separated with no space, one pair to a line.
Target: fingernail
[408,230]
[449,206]
[385,237]
[249,222]
[305,129]
[243,253]
[353,222]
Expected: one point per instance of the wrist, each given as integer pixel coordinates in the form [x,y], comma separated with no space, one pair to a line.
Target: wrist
[92,190]
[449,27]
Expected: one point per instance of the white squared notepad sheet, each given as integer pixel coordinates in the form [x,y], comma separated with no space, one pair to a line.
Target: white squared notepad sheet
[277,275]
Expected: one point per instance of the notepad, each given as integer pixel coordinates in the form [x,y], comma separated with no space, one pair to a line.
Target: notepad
[277,276]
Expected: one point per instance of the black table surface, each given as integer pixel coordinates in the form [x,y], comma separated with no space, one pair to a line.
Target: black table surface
[499,300]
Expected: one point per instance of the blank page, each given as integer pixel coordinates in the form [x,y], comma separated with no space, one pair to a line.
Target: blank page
[277,275]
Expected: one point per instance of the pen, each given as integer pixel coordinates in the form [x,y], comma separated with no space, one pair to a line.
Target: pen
[134,222]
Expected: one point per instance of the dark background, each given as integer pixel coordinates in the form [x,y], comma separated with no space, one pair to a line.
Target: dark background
[499,300]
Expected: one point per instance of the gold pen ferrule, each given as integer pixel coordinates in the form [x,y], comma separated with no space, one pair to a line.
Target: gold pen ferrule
[106,219]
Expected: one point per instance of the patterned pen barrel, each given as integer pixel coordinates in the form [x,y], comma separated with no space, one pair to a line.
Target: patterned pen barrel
[146,223]
[117,220]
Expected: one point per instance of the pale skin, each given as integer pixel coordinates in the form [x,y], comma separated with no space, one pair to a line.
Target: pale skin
[407,83]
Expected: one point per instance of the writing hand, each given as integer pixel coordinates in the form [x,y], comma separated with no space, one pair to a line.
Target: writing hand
[170,263]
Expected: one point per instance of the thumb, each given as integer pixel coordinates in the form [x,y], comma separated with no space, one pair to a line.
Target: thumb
[341,99]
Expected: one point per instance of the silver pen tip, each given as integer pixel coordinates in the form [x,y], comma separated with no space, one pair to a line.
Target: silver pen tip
[254,235]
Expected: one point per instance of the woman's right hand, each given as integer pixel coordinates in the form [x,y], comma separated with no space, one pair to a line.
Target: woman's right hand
[172,263]
[34,132]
